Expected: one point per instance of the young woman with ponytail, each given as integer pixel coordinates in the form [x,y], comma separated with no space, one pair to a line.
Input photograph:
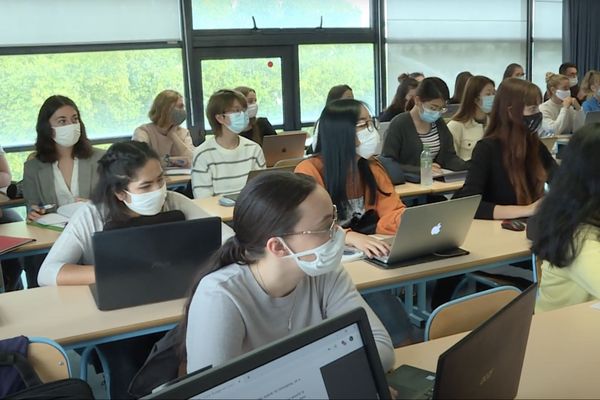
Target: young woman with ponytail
[279,274]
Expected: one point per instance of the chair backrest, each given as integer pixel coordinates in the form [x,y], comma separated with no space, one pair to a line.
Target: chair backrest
[48,359]
[467,313]
[290,162]
[537,269]
[383,130]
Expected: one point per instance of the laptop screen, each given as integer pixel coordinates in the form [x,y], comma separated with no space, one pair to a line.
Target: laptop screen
[337,364]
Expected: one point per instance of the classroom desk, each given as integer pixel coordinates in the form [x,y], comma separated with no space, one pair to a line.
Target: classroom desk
[177,180]
[561,360]
[410,189]
[6,202]
[44,239]
[68,315]
[213,208]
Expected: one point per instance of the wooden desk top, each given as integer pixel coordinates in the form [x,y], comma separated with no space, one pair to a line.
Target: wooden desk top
[44,238]
[177,179]
[212,207]
[416,189]
[487,242]
[561,360]
[68,314]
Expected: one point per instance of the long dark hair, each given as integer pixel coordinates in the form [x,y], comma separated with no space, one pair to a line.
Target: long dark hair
[117,167]
[337,147]
[510,69]
[336,93]
[573,200]
[398,104]
[459,86]
[472,92]
[45,146]
[520,148]
[267,207]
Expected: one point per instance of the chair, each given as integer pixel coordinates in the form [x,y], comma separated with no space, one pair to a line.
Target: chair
[468,312]
[290,162]
[48,359]
[537,269]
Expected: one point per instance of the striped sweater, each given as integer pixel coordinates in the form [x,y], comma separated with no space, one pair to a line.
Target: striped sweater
[217,170]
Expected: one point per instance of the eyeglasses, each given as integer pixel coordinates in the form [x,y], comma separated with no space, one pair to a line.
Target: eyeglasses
[370,124]
[330,231]
[435,108]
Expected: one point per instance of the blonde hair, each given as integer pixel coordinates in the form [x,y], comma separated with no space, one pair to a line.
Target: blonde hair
[591,78]
[553,80]
[160,112]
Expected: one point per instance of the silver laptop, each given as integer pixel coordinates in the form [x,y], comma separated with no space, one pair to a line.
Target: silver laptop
[283,147]
[437,229]
[592,117]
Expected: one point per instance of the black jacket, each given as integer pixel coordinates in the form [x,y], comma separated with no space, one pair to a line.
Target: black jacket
[488,177]
[403,144]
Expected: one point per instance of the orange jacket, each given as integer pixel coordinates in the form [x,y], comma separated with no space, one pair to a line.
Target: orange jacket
[389,207]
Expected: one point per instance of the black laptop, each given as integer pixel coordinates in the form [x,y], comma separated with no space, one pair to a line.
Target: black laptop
[336,359]
[485,364]
[151,263]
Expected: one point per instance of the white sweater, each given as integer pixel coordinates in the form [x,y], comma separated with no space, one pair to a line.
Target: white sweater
[217,170]
[74,245]
[230,314]
[465,137]
[559,120]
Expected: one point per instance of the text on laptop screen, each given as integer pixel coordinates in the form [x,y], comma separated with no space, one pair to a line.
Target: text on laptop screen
[319,370]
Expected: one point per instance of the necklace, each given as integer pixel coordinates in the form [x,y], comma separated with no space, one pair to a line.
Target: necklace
[262,283]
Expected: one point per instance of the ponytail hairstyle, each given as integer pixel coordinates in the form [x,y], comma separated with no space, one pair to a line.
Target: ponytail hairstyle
[267,207]
[117,167]
[337,147]
[553,80]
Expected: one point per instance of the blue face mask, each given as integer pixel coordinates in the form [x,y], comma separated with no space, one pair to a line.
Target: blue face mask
[239,121]
[428,115]
[486,103]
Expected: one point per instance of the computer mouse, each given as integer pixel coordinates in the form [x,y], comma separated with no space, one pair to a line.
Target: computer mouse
[513,225]
[226,202]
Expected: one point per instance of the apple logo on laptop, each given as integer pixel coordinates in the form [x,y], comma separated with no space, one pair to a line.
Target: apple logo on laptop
[436,229]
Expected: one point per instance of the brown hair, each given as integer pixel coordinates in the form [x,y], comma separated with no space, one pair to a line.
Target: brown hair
[591,78]
[45,146]
[218,104]
[468,106]
[520,148]
[459,86]
[553,80]
[160,112]
[256,134]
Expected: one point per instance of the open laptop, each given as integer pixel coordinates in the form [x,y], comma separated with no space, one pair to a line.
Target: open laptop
[485,364]
[432,230]
[592,117]
[151,263]
[283,147]
[336,359]
[257,172]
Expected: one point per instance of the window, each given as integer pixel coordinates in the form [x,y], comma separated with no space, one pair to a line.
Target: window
[237,14]
[324,66]
[447,37]
[547,40]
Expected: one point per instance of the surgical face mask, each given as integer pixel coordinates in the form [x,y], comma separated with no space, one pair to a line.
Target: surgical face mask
[369,140]
[573,82]
[238,121]
[252,110]
[533,122]
[562,94]
[178,115]
[486,103]
[428,115]
[327,257]
[149,203]
[67,135]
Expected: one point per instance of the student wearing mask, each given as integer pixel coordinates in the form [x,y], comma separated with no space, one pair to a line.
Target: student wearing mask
[514,71]
[164,134]
[405,92]
[357,183]
[221,164]
[459,87]
[570,71]
[257,128]
[63,168]
[423,125]
[568,226]
[131,191]
[469,123]
[562,113]
[335,93]
[590,87]
[279,274]
[510,165]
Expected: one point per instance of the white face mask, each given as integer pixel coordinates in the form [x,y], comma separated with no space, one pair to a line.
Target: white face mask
[67,135]
[562,94]
[368,143]
[149,203]
[252,110]
[573,81]
[327,257]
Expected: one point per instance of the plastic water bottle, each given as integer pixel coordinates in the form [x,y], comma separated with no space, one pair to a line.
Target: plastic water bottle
[426,166]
